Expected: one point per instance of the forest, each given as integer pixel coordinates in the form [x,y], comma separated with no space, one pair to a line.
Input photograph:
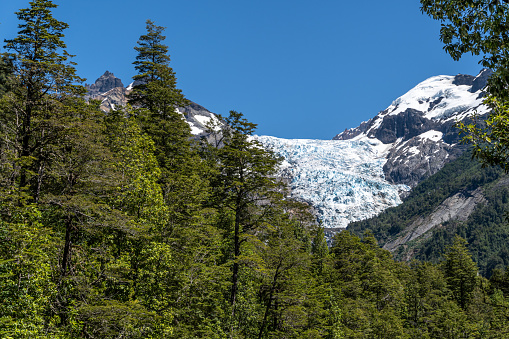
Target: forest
[121,225]
[486,228]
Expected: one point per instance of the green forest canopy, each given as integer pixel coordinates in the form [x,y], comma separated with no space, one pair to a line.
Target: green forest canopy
[120,226]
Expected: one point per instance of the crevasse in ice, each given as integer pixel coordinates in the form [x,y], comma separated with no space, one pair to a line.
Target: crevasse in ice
[342,180]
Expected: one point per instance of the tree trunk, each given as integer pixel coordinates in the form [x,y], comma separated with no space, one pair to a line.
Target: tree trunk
[271,294]
[67,246]
[235,273]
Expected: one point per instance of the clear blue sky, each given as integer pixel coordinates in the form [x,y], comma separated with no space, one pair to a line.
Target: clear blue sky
[299,69]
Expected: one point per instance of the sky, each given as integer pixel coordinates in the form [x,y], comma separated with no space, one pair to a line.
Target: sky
[298,69]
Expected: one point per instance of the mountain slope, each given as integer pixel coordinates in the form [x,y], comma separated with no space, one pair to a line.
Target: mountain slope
[366,169]
[418,127]
[462,198]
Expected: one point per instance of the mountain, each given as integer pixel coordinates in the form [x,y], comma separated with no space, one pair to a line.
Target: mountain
[111,92]
[418,127]
[367,169]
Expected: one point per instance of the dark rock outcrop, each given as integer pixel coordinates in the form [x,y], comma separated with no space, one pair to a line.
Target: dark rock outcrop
[406,125]
[481,80]
[104,83]
[463,79]
[418,159]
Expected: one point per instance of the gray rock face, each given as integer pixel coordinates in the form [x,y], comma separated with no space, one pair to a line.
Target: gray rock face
[457,207]
[405,125]
[481,80]
[463,79]
[104,83]
[418,159]
[198,117]
[114,97]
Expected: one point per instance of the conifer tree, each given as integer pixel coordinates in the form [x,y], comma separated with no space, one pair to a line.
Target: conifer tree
[460,271]
[43,119]
[158,98]
[244,186]
[44,77]
[152,65]
[187,230]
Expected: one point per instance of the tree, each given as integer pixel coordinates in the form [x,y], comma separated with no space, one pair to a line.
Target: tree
[192,284]
[157,99]
[460,271]
[480,28]
[244,186]
[152,64]
[43,78]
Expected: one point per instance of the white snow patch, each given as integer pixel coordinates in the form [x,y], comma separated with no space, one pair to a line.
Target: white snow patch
[202,119]
[194,130]
[432,135]
[438,97]
[412,151]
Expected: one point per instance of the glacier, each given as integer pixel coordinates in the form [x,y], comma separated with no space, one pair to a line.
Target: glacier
[343,180]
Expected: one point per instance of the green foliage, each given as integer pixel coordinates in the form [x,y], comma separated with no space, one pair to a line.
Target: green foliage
[485,229]
[490,141]
[5,73]
[460,271]
[26,287]
[480,28]
[118,226]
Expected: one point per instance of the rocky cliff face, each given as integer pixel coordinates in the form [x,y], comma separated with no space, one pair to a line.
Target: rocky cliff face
[111,92]
[418,127]
[457,207]
[103,84]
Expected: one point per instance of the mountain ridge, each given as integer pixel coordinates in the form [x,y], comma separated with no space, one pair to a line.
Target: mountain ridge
[391,153]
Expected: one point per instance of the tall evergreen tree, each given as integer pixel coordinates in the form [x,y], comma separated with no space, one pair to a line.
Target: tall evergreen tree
[44,77]
[245,185]
[460,271]
[187,229]
[152,65]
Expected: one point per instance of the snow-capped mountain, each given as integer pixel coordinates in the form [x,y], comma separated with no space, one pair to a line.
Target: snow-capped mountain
[418,128]
[366,169]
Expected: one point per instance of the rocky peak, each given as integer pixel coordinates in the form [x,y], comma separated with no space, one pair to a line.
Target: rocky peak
[104,83]
[481,80]
[418,129]
[463,79]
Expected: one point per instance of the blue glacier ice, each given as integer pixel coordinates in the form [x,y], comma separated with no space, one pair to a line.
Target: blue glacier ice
[343,180]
